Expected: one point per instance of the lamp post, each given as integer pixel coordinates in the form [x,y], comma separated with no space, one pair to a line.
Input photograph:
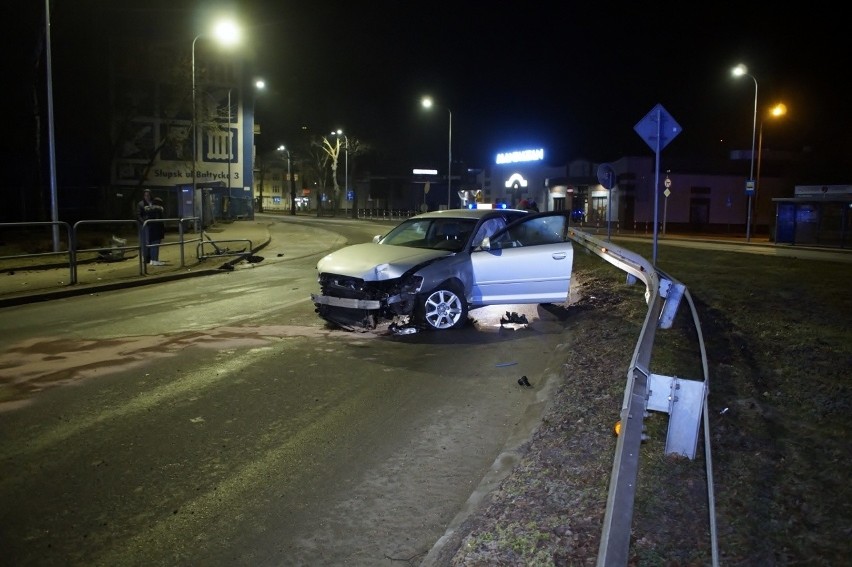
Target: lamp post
[250,127]
[739,71]
[230,145]
[427,102]
[345,167]
[227,33]
[776,111]
[281,148]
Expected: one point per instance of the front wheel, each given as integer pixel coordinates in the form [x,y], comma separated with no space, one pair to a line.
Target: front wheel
[443,308]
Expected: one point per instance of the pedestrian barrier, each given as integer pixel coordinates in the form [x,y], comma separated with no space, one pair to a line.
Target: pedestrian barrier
[385,214]
[120,245]
[182,241]
[55,225]
[115,250]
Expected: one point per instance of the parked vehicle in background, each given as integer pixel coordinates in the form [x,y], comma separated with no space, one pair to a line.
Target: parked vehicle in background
[430,270]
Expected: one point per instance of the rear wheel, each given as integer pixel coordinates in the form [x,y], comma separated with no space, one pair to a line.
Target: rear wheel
[443,308]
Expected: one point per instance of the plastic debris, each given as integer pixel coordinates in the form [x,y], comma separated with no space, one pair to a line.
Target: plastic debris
[513,317]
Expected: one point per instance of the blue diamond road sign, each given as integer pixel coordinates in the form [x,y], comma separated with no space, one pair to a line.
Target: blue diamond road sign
[657,123]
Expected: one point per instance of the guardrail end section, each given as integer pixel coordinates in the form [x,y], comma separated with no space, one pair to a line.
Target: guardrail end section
[672,291]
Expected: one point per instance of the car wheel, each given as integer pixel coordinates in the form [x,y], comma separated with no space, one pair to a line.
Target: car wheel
[443,308]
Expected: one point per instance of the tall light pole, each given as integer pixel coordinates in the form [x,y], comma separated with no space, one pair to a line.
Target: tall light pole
[281,148]
[427,102]
[54,198]
[776,111]
[227,33]
[739,71]
[345,167]
[230,145]
[249,127]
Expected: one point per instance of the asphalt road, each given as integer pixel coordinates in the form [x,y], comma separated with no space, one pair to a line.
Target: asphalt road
[218,421]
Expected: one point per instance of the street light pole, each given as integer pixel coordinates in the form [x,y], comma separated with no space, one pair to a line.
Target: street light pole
[230,145]
[776,111]
[292,186]
[281,148]
[194,128]
[450,161]
[227,33]
[427,102]
[346,174]
[738,71]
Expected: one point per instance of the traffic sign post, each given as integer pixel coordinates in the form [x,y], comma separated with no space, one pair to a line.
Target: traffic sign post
[667,192]
[606,177]
[657,128]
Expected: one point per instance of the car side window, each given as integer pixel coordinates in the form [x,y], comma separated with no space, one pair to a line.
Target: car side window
[488,228]
[543,230]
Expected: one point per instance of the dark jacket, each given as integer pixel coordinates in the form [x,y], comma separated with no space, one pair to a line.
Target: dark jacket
[156,230]
[143,209]
[154,210]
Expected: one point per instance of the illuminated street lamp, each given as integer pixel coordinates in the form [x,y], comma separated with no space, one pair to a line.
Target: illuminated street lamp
[427,102]
[227,33]
[775,112]
[739,71]
[283,149]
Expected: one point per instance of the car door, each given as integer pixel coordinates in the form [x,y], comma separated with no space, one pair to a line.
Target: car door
[529,261]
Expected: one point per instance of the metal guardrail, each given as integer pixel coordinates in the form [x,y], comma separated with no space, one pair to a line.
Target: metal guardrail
[55,225]
[386,214]
[684,400]
[72,252]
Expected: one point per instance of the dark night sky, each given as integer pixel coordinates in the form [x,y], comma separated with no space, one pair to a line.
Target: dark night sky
[573,78]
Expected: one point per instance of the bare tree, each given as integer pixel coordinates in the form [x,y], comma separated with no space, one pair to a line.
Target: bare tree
[317,165]
[353,147]
[333,151]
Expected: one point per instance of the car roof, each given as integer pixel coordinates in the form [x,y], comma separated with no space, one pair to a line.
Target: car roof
[474,214]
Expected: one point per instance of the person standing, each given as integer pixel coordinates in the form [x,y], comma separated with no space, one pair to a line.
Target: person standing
[156,231]
[146,209]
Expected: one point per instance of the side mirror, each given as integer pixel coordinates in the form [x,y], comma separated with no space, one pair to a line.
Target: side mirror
[485,244]
[377,238]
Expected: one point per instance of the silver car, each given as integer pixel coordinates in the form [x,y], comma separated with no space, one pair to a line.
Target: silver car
[432,269]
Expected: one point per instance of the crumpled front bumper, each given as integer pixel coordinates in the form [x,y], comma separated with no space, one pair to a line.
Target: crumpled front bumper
[348,303]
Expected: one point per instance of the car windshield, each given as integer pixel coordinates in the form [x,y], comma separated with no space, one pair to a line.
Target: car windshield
[433,233]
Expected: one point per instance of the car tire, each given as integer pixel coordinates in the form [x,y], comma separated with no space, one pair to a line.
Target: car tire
[442,308]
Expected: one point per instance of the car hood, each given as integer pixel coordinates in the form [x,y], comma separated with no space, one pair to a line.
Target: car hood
[374,262]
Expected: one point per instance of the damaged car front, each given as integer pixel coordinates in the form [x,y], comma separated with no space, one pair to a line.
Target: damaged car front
[364,285]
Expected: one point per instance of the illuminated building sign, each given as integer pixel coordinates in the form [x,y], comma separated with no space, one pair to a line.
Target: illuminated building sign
[520,156]
[516,181]
[425,171]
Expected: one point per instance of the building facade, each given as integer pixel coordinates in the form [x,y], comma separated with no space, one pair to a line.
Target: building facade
[184,132]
